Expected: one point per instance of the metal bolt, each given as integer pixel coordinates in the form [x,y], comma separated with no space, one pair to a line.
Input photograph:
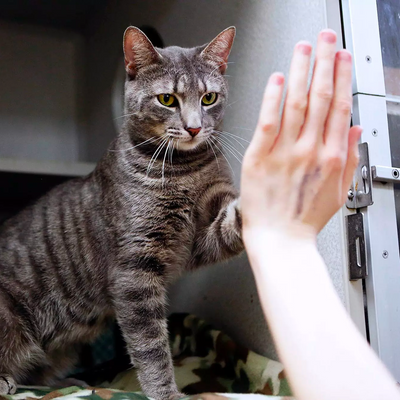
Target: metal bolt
[385,254]
[350,195]
[395,173]
[368,59]
[374,132]
[364,172]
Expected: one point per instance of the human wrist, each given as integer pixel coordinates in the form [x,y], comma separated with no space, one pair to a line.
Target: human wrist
[294,233]
[261,242]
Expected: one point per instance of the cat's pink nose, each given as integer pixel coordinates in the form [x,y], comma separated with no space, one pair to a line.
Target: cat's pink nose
[193,131]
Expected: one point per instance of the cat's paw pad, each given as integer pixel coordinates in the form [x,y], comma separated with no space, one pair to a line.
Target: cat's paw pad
[7,385]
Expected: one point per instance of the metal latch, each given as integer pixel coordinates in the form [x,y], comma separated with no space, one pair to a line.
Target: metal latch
[360,192]
[356,246]
[385,174]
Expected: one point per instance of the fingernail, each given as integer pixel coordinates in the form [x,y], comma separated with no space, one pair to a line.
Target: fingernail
[328,36]
[277,79]
[304,47]
[344,55]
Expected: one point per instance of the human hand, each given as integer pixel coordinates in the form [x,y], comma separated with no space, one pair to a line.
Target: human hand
[299,166]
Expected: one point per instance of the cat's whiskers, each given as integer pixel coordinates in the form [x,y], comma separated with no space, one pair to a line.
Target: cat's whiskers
[233,102]
[154,158]
[215,155]
[230,145]
[150,140]
[246,129]
[172,131]
[156,153]
[216,145]
[163,164]
[230,149]
[171,154]
[231,134]
[229,138]
[127,115]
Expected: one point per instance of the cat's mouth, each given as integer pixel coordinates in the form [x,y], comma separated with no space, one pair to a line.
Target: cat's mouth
[188,143]
[184,141]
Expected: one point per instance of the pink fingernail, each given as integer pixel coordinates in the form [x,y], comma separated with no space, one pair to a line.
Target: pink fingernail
[304,47]
[328,36]
[344,55]
[277,79]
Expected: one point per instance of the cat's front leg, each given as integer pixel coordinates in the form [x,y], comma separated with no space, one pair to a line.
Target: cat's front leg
[139,298]
[221,237]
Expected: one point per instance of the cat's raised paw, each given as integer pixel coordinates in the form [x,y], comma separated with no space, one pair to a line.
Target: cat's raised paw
[7,385]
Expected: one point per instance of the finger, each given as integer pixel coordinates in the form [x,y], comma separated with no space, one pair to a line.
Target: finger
[297,93]
[337,126]
[321,90]
[352,158]
[269,120]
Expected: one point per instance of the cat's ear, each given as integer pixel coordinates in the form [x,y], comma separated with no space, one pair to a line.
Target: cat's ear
[138,51]
[217,51]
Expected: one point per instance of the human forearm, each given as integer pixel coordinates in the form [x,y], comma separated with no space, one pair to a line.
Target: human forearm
[320,344]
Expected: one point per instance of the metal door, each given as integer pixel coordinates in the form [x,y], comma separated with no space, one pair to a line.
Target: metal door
[372,34]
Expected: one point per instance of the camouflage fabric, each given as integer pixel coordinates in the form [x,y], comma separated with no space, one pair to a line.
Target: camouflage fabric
[112,394]
[206,360]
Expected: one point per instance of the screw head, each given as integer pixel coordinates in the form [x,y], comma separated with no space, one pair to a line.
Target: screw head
[395,173]
[374,132]
[385,254]
[368,59]
[350,195]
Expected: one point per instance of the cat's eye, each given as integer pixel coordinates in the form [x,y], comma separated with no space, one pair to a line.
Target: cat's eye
[167,100]
[209,98]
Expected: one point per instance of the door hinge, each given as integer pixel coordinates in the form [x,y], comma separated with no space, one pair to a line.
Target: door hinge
[360,192]
[356,246]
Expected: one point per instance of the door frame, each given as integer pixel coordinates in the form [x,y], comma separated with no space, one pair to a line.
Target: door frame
[382,285]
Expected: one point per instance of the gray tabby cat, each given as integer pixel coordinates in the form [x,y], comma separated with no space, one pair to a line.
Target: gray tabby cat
[105,246]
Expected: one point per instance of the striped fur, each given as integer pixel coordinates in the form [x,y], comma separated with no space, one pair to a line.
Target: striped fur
[106,246]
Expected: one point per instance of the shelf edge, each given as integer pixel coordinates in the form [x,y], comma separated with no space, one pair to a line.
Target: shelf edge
[72,169]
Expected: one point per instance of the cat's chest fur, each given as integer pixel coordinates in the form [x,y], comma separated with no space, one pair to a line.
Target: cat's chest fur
[158,216]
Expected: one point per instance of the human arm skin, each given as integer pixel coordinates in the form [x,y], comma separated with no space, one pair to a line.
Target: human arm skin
[295,176]
[324,355]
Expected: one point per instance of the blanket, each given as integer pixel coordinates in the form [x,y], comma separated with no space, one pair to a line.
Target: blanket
[206,361]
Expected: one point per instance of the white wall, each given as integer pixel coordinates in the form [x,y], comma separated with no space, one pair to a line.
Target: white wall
[39,94]
[266,33]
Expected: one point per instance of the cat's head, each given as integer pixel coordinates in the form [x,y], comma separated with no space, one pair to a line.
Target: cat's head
[175,91]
